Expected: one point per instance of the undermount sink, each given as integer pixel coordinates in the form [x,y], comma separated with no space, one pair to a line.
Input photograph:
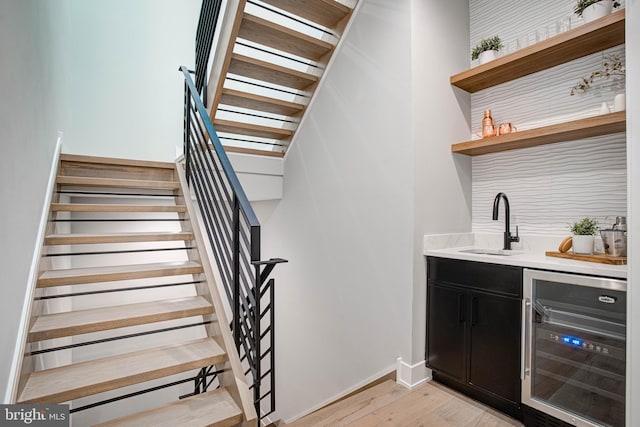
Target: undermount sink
[486,251]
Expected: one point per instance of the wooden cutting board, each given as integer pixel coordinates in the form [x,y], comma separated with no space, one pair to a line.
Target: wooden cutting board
[601,258]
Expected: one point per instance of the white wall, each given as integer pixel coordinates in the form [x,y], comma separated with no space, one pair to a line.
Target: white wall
[28,133]
[345,223]
[633,156]
[370,172]
[440,117]
[123,86]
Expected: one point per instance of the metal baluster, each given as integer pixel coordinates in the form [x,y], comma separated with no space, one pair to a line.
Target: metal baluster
[236,272]
[187,130]
[256,338]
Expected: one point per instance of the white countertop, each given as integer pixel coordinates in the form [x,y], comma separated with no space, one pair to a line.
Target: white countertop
[531,253]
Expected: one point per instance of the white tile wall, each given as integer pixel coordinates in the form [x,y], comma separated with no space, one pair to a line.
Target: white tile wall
[548,186]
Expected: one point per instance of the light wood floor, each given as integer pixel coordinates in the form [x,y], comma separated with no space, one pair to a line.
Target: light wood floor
[390,404]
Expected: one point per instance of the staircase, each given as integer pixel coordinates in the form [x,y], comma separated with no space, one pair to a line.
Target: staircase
[269,59]
[126,316]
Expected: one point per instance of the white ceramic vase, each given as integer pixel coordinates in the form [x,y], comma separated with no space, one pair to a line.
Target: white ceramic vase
[487,55]
[597,10]
[583,244]
[620,102]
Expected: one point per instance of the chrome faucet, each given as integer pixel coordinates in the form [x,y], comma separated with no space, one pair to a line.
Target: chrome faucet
[508,237]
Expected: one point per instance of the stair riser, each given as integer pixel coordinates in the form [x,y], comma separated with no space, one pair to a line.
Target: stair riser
[115,183]
[96,170]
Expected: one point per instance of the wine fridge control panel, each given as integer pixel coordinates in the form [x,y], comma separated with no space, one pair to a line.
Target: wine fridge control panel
[583,344]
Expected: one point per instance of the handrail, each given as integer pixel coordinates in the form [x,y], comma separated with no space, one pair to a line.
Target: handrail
[238,191]
[234,234]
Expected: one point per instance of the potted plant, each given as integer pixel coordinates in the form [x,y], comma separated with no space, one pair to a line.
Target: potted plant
[584,232]
[591,10]
[486,50]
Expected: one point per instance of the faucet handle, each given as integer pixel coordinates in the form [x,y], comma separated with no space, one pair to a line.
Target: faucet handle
[515,238]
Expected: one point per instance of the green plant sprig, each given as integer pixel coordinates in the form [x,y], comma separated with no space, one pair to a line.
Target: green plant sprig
[585,227]
[611,66]
[491,43]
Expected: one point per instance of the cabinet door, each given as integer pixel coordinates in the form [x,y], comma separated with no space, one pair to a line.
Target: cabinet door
[494,350]
[446,330]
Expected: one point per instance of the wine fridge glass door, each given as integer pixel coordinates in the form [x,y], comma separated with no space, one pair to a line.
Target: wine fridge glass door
[575,343]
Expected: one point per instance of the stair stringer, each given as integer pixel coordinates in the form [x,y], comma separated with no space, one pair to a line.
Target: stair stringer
[220,61]
[343,29]
[233,377]
[223,47]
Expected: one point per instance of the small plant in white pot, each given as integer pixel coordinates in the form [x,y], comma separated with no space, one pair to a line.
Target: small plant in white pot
[584,232]
[591,10]
[487,49]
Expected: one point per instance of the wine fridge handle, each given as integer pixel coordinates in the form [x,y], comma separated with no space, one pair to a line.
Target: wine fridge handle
[526,330]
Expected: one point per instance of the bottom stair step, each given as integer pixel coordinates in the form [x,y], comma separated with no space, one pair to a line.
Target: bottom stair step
[213,408]
[96,376]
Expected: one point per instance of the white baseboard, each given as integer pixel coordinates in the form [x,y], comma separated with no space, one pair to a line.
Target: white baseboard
[266,421]
[411,376]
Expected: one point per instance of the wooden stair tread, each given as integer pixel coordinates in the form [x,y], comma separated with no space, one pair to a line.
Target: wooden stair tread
[253,151]
[73,276]
[268,33]
[96,376]
[77,239]
[112,182]
[251,129]
[101,207]
[270,73]
[252,101]
[323,12]
[77,322]
[214,408]
[115,161]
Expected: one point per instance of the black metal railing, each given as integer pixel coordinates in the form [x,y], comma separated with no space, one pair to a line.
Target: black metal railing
[234,233]
[205,32]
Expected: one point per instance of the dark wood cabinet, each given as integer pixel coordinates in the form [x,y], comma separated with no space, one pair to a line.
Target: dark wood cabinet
[446,331]
[473,329]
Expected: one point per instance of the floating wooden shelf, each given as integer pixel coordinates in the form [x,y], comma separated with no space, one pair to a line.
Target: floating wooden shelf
[577,129]
[582,41]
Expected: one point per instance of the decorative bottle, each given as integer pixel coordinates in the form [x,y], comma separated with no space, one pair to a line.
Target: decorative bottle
[488,128]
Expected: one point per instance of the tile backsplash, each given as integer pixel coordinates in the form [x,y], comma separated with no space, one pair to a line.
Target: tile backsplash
[548,186]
